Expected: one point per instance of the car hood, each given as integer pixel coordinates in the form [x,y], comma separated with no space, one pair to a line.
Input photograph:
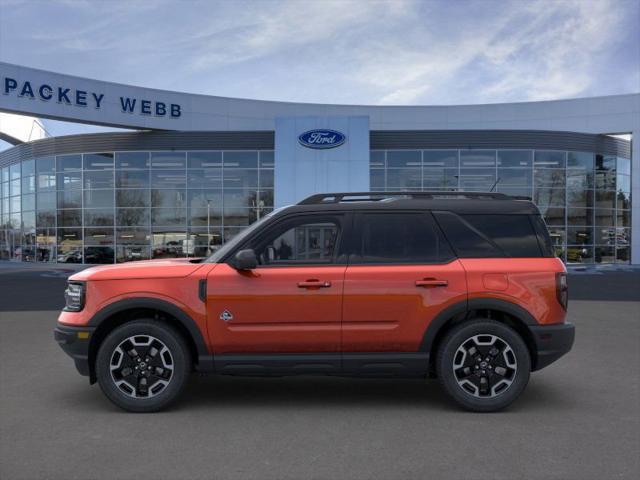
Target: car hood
[164,268]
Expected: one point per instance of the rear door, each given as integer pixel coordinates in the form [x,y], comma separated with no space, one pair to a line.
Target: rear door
[401,274]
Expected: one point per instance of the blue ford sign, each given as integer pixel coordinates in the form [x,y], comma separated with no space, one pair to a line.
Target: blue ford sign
[322,138]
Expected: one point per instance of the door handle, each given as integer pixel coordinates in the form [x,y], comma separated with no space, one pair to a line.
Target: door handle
[431,282]
[314,284]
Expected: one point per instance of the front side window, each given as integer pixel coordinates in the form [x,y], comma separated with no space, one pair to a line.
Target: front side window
[399,238]
[300,241]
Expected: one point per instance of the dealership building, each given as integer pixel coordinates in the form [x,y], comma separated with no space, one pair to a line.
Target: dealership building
[194,170]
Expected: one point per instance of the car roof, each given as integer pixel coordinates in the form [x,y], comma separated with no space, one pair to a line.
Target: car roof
[456,202]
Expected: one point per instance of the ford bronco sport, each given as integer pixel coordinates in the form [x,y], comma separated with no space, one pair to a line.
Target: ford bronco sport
[459,286]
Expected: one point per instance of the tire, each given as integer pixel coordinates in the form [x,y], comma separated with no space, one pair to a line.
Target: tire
[461,369]
[147,346]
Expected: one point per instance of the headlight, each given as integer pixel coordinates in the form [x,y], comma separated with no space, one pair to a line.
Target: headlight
[74,297]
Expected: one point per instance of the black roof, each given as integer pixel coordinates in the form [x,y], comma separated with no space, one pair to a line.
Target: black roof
[457,202]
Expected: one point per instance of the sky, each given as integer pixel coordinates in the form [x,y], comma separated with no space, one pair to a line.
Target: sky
[387,52]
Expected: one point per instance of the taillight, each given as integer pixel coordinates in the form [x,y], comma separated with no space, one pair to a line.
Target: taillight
[562,289]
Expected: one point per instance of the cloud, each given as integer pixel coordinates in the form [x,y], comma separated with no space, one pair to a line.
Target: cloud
[338,51]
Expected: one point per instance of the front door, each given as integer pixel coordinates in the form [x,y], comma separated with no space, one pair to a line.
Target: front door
[292,302]
[401,274]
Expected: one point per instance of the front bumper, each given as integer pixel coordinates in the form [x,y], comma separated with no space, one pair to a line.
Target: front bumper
[551,342]
[75,343]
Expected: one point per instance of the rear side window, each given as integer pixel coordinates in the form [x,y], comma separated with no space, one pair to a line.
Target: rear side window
[494,235]
[396,238]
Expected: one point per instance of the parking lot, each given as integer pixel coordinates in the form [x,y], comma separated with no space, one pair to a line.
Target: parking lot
[578,419]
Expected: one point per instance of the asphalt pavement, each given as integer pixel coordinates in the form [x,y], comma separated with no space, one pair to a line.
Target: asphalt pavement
[578,418]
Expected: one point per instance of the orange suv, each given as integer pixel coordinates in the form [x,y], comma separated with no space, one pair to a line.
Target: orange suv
[461,286]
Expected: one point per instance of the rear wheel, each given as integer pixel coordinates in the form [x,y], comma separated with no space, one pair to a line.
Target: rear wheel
[142,366]
[483,365]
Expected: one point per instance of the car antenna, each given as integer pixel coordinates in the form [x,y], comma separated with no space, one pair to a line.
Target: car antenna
[494,184]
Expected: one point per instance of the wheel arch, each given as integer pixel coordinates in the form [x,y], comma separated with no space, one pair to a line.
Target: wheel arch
[124,311]
[503,311]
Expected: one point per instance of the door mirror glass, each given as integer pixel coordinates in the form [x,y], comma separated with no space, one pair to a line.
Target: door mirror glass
[245,260]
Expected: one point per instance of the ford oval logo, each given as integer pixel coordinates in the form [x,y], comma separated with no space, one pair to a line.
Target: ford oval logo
[322,138]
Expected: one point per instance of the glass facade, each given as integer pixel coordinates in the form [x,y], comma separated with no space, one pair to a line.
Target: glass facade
[111,207]
[585,198]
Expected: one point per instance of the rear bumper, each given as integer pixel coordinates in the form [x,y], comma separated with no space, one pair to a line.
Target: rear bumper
[75,343]
[552,342]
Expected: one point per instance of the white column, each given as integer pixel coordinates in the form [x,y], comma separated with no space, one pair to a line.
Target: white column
[635,197]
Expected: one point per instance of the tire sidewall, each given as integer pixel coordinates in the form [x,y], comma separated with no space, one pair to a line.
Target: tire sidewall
[181,359]
[460,334]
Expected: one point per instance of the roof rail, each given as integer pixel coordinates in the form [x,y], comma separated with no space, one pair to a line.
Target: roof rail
[379,196]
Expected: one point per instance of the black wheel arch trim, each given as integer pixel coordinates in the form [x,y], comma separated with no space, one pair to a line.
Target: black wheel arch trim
[203,354]
[466,306]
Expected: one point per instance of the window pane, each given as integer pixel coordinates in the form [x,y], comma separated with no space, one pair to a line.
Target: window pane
[583,160]
[69,162]
[239,178]
[133,236]
[98,254]
[203,242]
[28,168]
[46,218]
[205,178]
[312,242]
[266,179]
[98,179]
[132,178]
[98,236]
[70,199]
[168,179]
[132,217]
[267,159]
[579,178]
[544,197]
[131,253]
[98,217]
[579,254]
[404,158]
[477,158]
[133,198]
[604,236]
[169,198]
[440,178]
[401,238]
[580,216]
[98,161]
[404,178]
[579,198]
[549,159]
[515,158]
[168,160]
[513,234]
[605,218]
[169,217]
[45,165]
[70,180]
[549,178]
[98,199]
[376,159]
[605,254]
[623,166]
[204,159]
[623,183]
[440,159]
[580,235]
[240,159]
[29,202]
[132,160]
[514,176]
[70,218]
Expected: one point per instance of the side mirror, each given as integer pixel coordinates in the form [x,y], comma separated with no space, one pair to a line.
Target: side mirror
[245,260]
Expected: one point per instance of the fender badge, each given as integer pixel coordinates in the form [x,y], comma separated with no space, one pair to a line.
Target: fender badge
[226,316]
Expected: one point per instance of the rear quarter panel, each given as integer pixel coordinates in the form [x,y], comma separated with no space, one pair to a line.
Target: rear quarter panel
[528,282]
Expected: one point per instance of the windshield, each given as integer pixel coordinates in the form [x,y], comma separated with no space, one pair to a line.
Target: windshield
[239,238]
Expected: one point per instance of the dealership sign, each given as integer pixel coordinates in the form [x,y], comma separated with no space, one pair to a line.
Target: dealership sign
[322,139]
[68,95]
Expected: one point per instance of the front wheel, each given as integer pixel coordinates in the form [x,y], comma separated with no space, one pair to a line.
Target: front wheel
[483,365]
[142,366]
